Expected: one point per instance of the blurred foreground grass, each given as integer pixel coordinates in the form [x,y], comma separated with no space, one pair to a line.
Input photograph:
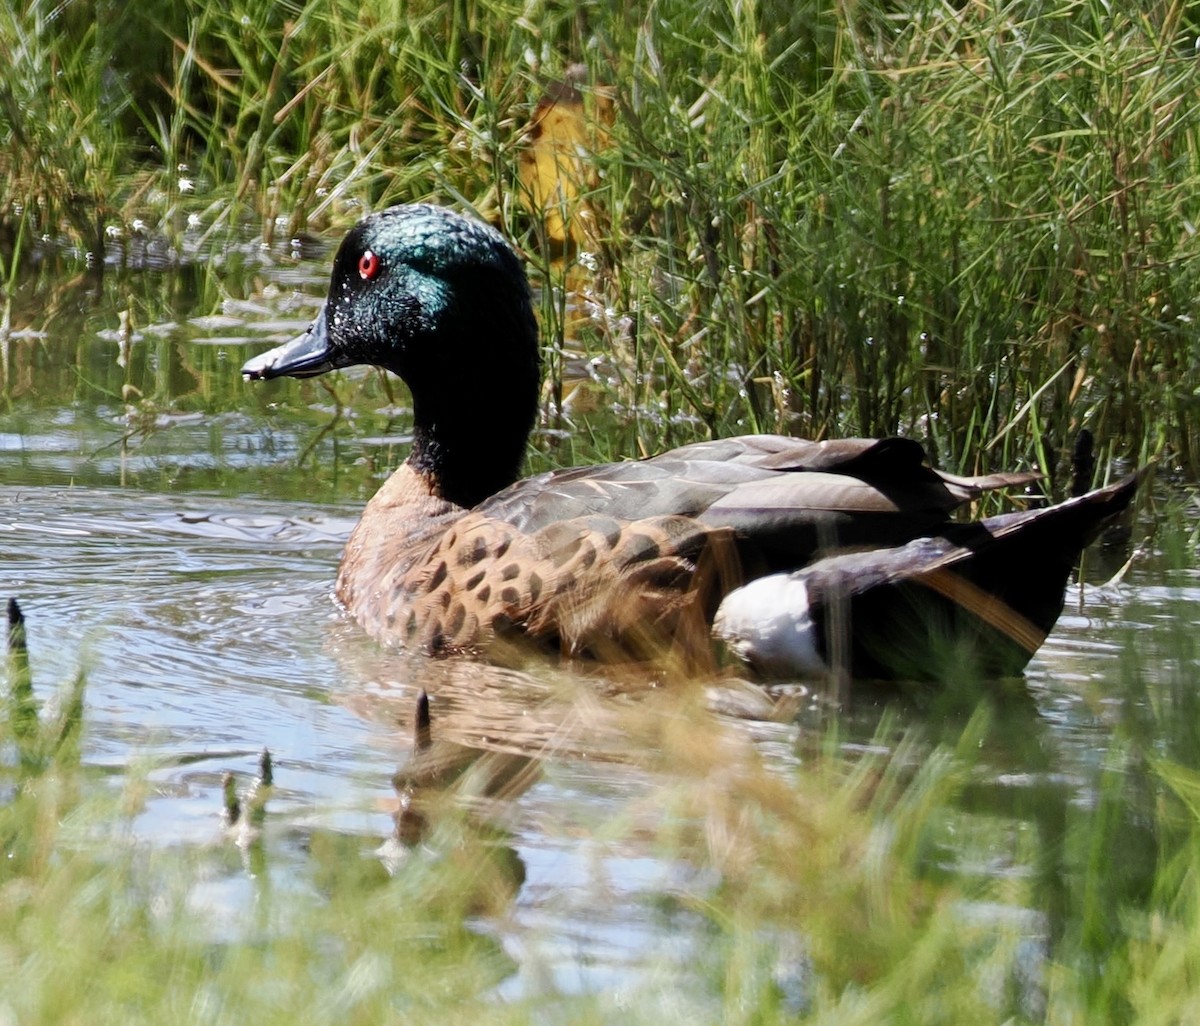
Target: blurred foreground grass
[908,882]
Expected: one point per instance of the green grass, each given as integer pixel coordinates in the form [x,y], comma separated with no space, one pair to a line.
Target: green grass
[824,910]
[844,890]
[973,225]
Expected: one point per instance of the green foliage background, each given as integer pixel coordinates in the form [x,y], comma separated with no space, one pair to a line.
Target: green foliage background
[949,220]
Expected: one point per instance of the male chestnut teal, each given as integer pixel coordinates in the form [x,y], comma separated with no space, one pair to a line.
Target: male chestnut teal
[797,556]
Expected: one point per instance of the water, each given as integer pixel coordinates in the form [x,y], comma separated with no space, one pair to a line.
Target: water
[175,533]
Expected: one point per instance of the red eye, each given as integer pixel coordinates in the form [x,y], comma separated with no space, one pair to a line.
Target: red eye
[368,265]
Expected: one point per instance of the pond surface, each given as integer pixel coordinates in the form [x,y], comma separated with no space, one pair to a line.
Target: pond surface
[175,532]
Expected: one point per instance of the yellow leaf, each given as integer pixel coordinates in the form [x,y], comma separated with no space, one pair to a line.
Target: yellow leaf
[555,169]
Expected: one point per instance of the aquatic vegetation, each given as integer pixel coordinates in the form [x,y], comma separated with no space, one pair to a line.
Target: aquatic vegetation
[823,888]
[40,741]
[971,226]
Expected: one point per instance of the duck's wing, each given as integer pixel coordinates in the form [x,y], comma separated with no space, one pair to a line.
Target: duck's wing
[996,584]
[784,498]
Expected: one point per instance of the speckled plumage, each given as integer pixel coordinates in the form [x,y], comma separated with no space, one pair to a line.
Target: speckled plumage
[624,560]
[466,579]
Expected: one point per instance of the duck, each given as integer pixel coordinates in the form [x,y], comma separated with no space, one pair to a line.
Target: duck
[787,556]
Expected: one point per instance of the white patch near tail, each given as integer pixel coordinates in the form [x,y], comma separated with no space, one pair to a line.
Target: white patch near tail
[767,625]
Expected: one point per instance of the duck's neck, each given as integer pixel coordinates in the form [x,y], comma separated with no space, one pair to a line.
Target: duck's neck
[475,449]
[475,391]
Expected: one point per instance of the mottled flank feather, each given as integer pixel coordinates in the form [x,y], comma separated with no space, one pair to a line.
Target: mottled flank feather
[585,585]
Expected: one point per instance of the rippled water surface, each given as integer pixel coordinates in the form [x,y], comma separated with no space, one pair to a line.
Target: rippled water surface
[175,532]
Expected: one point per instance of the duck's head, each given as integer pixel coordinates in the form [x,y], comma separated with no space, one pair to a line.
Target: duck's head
[443,302]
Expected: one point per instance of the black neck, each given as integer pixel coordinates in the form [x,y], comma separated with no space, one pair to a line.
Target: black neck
[475,391]
[471,451]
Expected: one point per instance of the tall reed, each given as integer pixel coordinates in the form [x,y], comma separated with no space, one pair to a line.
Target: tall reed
[973,225]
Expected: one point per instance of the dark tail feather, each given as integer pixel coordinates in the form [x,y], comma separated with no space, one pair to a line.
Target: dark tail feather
[1083,462]
[997,585]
